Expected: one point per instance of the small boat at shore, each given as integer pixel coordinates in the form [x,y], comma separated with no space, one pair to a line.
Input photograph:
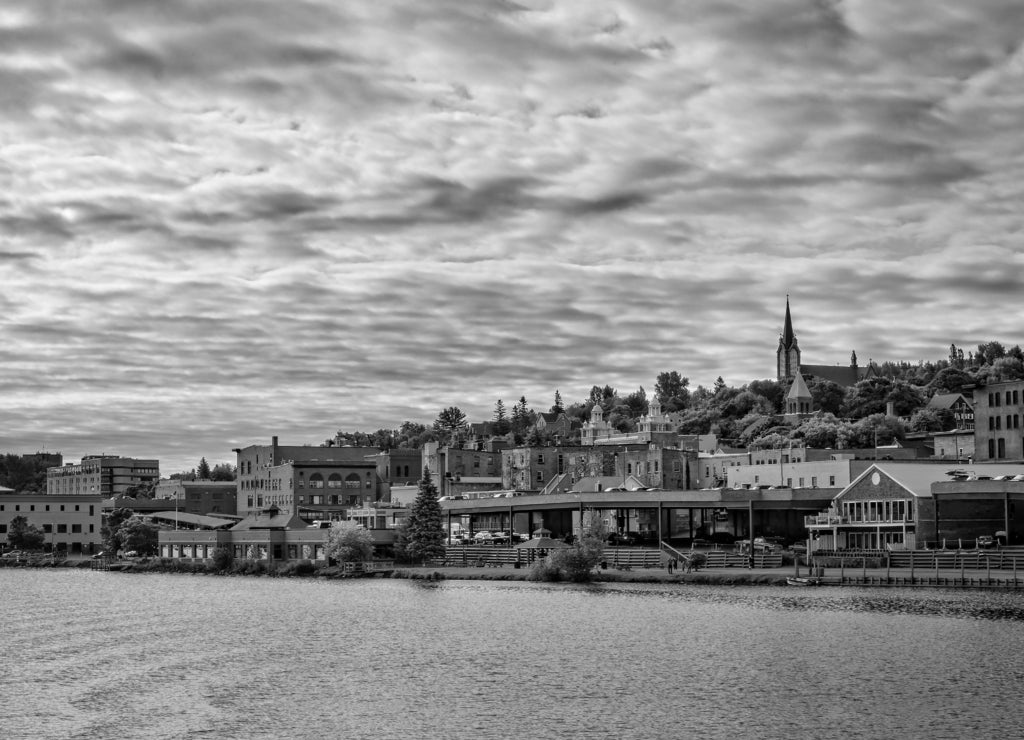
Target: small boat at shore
[803,581]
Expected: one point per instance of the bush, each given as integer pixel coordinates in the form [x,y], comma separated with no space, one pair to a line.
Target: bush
[544,570]
[222,559]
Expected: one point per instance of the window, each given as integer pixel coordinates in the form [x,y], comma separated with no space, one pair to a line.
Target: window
[316,481]
[801,482]
[62,529]
[540,458]
[1001,452]
[789,482]
[76,529]
[540,476]
[991,449]
[334,481]
[814,481]
[1008,397]
[991,423]
[3,529]
[48,528]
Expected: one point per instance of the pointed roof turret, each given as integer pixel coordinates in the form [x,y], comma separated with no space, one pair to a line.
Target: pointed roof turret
[799,388]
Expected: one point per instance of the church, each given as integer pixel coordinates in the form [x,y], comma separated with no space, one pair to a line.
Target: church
[788,362]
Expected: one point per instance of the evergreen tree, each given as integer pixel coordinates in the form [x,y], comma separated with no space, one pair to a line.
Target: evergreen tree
[203,471]
[557,407]
[450,423]
[426,528]
[501,422]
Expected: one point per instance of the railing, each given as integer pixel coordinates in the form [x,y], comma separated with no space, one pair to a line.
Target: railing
[831,520]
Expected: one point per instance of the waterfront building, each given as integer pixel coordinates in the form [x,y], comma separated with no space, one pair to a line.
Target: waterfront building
[102,475]
[890,506]
[71,523]
[998,408]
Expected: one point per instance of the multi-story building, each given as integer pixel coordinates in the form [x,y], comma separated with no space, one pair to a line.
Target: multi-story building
[312,482]
[998,408]
[453,468]
[200,496]
[101,475]
[400,466]
[559,468]
[71,523]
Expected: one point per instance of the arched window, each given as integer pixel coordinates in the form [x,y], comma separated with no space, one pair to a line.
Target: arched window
[334,481]
[352,480]
[316,481]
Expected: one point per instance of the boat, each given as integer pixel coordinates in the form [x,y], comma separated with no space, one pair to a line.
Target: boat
[803,581]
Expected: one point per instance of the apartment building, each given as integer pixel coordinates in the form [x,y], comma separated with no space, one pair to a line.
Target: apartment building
[101,475]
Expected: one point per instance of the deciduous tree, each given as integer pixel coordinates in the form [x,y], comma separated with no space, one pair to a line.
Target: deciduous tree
[22,535]
[348,542]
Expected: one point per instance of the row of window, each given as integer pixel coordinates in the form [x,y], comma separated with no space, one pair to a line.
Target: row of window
[32,507]
[901,510]
[996,422]
[61,528]
[1011,397]
[996,449]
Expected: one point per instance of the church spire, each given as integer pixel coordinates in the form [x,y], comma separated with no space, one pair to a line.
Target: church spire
[787,357]
[787,331]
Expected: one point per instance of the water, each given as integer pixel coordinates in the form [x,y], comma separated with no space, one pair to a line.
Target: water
[113,655]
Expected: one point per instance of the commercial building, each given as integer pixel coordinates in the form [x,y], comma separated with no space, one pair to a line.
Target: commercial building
[312,482]
[71,524]
[101,475]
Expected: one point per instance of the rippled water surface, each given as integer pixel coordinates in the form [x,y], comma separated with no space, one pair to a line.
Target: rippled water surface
[111,655]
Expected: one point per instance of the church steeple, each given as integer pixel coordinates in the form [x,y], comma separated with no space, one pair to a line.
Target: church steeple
[787,330]
[787,357]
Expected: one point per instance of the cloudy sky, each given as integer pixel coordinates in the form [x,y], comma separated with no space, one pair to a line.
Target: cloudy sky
[221,221]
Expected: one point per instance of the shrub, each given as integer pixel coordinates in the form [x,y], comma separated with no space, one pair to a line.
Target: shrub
[222,559]
[544,570]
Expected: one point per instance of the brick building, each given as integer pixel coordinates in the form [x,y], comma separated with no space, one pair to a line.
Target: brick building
[101,475]
[312,482]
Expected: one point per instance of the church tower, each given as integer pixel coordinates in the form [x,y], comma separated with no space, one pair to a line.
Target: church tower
[787,357]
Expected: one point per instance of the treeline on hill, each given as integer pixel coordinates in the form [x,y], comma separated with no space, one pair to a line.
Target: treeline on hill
[749,415]
[23,474]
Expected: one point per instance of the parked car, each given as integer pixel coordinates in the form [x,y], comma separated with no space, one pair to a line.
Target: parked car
[14,555]
[625,538]
[799,548]
[499,538]
[483,538]
[768,544]
[986,542]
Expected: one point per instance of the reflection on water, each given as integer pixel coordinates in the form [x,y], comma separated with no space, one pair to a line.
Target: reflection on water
[109,655]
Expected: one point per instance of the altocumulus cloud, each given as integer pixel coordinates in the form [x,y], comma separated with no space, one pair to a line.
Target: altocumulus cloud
[222,221]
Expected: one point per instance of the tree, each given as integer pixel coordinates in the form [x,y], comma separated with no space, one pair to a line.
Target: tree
[450,423]
[223,472]
[577,562]
[866,397]
[951,380]
[426,533]
[203,471]
[348,542]
[557,407]
[827,395]
[771,390]
[637,404]
[671,389]
[21,535]
[932,420]
[138,536]
[111,529]
[501,422]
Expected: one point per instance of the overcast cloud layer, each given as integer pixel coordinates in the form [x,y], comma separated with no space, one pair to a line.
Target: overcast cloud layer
[221,221]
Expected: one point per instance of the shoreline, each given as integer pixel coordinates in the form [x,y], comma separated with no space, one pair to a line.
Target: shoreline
[855,578]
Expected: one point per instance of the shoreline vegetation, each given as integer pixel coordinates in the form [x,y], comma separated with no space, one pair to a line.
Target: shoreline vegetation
[868,577]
